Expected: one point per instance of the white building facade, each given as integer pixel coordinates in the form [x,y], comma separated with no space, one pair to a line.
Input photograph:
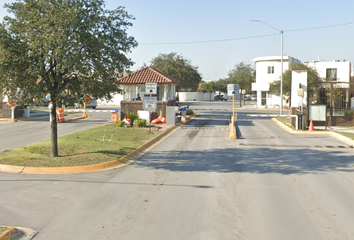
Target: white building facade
[338,71]
[268,70]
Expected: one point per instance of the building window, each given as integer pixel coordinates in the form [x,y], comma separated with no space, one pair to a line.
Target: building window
[331,74]
[271,70]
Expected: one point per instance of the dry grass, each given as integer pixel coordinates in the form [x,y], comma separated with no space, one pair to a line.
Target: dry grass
[3,229]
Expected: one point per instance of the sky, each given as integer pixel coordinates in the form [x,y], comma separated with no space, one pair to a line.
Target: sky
[217,35]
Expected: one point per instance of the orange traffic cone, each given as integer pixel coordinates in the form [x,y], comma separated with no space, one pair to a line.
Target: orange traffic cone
[311,126]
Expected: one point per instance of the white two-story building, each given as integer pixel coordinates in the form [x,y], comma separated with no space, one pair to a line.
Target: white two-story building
[267,71]
[336,70]
[338,73]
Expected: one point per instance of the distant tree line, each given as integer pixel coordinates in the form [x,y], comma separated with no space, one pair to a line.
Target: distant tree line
[180,68]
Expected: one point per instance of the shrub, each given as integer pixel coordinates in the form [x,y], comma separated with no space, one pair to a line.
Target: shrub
[132,117]
[190,112]
[120,123]
[349,113]
[141,123]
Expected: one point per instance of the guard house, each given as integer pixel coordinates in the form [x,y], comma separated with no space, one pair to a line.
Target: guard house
[133,87]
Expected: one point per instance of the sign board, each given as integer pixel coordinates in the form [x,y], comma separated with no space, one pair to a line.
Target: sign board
[144,115]
[300,92]
[318,112]
[150,104]
[151,88]
[232,89]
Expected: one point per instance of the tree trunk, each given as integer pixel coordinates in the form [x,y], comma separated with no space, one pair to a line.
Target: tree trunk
[240,96]
[54,130]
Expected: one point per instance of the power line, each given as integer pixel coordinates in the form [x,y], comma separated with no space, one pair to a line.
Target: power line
[243,38]
[315,28]
[209,41]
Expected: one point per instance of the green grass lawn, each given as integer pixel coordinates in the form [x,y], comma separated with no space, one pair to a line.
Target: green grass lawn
[93,146]
[285,121]
[347,134]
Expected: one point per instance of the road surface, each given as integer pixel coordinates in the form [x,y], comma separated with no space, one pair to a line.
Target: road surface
[198,184]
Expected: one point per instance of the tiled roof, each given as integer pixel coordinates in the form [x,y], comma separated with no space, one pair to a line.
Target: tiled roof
[146,75]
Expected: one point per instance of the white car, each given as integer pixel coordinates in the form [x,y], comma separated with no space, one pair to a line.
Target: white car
[92,104]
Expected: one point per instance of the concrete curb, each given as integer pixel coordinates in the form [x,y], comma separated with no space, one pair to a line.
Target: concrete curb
[8,120]
[335,135]
[18,233]
[74,119]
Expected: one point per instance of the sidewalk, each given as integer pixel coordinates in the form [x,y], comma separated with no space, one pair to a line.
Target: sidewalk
[336,128]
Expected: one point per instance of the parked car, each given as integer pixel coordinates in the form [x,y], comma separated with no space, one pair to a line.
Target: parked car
[92,104]
[219,98]
[253,98]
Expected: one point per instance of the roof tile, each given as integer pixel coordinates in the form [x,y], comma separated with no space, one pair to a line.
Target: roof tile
[146,75]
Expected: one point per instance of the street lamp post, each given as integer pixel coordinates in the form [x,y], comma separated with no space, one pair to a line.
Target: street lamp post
[281,62]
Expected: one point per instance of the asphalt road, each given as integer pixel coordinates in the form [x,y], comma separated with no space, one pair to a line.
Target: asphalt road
[198,184]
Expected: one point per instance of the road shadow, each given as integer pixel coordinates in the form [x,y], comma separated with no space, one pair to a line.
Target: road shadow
[252,160]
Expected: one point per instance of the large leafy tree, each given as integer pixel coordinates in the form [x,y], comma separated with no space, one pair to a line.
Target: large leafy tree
[241,74]
[63,46]
[210,87]
[179,68]
[314,81]
[221,85]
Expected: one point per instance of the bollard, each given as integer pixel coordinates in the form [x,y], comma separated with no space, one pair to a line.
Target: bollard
[13,112]
[115,116]
[183,115]
[60,115]
[27,113]
[232,129]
